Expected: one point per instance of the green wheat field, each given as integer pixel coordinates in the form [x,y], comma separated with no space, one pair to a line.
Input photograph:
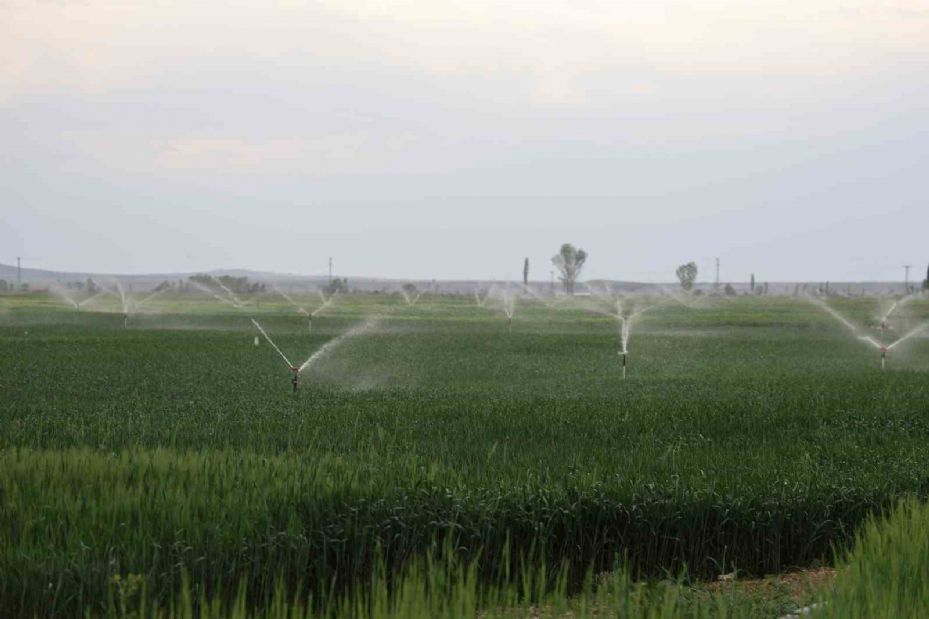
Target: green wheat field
[440,462]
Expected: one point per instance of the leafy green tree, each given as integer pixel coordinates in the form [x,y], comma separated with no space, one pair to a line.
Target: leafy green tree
[687,275]
[570,262]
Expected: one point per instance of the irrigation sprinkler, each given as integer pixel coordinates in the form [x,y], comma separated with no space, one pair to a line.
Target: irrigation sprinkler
[509,309]
[328,346]
[326,302]
[280,352]
[625,315]
[295,380]
[124,301]
[481,301]
[411,300]
[881,346]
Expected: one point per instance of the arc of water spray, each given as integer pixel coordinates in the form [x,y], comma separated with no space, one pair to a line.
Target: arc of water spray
[235,300]
[842,319]
[537,296]
[884,349]
[273,345]
[411,301]
[288,298]
[509,308]
[62,294]
[212,293]
[99,293]
[625,321]
[333,343]
[481,302]
[326,302]
[148,298]
[896,304]
[123,300]
[912,333]
[309,315]
[322,351]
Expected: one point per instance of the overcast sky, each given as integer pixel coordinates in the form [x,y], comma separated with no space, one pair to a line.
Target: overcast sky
[425,139]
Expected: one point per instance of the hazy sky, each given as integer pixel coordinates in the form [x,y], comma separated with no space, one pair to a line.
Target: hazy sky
[426,139]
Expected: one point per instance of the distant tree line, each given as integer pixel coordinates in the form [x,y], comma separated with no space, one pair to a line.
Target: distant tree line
[240,285]
[6,286]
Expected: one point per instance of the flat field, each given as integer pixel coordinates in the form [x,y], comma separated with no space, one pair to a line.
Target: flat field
[750,433]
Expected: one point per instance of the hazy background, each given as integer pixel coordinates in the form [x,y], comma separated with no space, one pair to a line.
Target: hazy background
[444,140]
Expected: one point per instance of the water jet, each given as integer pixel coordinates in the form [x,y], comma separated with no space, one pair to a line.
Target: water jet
[328,346]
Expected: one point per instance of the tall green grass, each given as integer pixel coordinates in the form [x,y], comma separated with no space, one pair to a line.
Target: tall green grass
[885,575]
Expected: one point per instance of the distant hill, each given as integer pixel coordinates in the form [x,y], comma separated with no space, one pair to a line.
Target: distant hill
[40,278]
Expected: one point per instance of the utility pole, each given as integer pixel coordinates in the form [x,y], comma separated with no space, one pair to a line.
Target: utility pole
[716,284]
[19,270]
[330,271]
[553,282]
[906,277]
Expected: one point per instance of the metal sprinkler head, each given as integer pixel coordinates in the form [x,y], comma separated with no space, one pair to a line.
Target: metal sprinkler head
[294,381]
[884,350]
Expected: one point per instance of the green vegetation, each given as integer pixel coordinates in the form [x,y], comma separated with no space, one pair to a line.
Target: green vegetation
[752,435]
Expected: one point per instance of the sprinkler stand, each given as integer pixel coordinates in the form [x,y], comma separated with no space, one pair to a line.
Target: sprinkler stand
[294,380]
[624,356]
[883,357]
[310,321]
